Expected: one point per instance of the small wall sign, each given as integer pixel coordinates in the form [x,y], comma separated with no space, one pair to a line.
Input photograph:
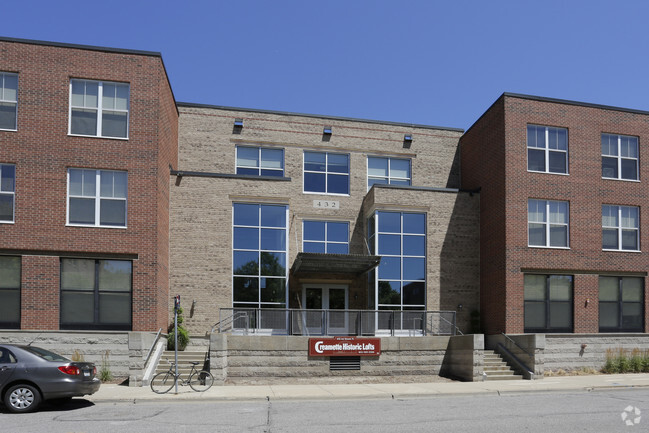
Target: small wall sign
[344,346]
[326,204]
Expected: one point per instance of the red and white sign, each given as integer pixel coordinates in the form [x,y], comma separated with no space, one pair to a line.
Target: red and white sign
[344,346]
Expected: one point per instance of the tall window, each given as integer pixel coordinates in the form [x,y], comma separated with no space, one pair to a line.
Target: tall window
[548,303]
[547,223]
[9,292]
[547,149]
[97,197]
[7,192]
[393,171]
[619,157]
[8,100]
[325,237]
[96,294]
[621,304]
[260,161]
[259,272]
[400,240]
[326,173]
[620,228]
[99,108]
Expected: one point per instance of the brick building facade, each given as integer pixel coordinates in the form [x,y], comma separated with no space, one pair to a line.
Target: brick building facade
[87,136]
[562,200]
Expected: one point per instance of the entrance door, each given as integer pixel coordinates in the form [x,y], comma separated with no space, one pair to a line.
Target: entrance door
[329,305]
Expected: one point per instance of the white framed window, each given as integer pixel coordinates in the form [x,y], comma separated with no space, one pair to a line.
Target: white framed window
[547,149]
[7,192]
[326,173]
[547,223]
[97,197]
[620,228]
[384,170]
[619,157]
[99,108]
[330,237]
[8,101]
[260,161]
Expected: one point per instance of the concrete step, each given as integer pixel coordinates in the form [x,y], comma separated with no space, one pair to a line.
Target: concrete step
[512,377]
[184,359]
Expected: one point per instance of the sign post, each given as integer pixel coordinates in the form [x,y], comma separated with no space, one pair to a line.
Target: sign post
[176,307]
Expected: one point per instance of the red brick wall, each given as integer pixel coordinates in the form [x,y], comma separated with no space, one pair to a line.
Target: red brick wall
[42,152]
[583,188]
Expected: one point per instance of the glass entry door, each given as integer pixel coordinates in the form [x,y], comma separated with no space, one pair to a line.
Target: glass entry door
[329,305]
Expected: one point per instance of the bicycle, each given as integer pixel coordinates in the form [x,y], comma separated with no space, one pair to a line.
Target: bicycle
[199,381]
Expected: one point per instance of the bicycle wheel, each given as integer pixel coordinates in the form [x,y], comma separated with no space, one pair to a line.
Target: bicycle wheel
[201,381]
[162,382]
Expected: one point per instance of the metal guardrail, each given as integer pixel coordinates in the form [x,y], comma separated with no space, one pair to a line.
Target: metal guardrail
[508,338]
[273,321]
[155,341]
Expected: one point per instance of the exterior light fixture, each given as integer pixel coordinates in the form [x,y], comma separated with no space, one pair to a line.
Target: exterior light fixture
[327,130]
[238,123]
[407,141]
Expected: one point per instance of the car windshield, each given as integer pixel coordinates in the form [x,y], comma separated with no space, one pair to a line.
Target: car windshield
[45,354]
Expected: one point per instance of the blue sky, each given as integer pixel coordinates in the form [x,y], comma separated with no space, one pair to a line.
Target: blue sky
[427,62]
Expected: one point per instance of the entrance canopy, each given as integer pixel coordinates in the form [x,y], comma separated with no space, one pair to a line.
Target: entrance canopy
[309,263]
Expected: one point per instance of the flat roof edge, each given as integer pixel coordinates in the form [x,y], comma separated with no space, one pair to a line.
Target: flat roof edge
[317,116]
[81,47]
[570,102]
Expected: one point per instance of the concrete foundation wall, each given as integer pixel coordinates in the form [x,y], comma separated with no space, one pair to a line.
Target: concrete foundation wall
[527,349]
[464,358]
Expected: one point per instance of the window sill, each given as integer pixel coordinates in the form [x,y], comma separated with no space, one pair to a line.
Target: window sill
[325,193]
[621,251]
[548,248]
[9,130]
[622,180]
[96,227]
[98,136]
[548,172]
[7,222]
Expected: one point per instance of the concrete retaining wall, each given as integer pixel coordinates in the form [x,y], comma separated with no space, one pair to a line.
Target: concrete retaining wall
[564,351]
[528,349]
[464,358]
[266,358]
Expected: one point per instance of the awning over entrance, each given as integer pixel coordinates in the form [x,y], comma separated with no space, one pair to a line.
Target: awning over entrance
[309,263]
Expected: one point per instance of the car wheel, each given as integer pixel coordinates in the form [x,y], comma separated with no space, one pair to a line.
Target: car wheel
[22,398]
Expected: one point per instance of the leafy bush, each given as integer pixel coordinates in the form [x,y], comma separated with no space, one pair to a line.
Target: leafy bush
[183,335]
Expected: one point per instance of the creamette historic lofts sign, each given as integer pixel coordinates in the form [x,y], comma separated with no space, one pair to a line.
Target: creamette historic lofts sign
[344,346]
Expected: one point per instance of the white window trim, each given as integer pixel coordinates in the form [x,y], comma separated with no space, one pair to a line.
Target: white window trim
[10,101]
[100,109]
[98,198]
[326,173]
[547,150]
[13,196]
[547,224]
[325,241]
[259,168]
[619,229]
[619,158]
[390,177]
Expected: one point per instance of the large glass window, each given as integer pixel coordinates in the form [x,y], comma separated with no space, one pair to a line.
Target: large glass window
[97,197]
[7,192]
[8,100]
[260,161]
[621,304]
[96,294]
[326,173]
[400,239]
[548,303]
[619,157]
[260,246]
[325,237]
[393,171]
[547,149]
[620,228]
[99,108]
[9,292]
[547,223]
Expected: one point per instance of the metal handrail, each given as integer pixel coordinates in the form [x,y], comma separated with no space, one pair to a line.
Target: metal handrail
[229,319]
[517,345]
[155,341]
[452,324]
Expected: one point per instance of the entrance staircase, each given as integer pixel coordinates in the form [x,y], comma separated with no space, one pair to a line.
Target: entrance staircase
[497,369]
[195,354]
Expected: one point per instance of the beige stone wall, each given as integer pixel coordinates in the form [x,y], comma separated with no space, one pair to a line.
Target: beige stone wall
[201,207]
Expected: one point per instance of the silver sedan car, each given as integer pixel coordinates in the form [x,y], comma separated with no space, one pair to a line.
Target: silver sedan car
[30,375]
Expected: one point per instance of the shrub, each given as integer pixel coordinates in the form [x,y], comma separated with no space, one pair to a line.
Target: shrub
[104,371]
[183,335]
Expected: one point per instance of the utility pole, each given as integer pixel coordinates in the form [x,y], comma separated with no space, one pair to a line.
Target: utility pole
[176,307]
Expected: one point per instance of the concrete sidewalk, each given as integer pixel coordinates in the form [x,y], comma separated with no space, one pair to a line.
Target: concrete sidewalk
[115,393]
